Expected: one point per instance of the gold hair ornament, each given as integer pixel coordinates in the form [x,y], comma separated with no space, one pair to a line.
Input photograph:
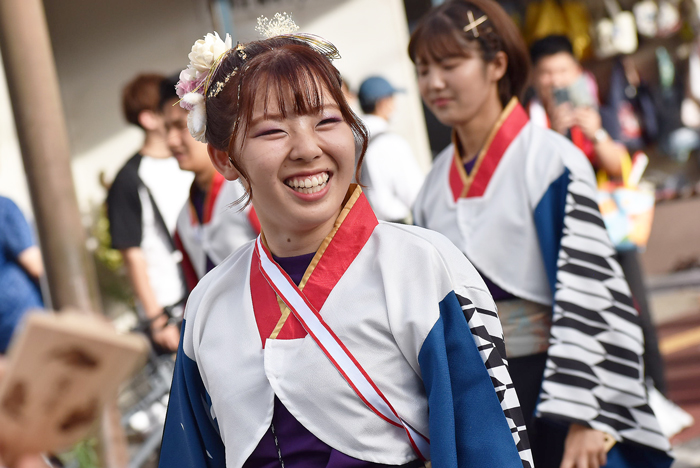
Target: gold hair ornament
[474,24]
[282,24]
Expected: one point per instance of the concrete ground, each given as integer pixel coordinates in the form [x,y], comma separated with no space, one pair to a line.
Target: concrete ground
[672,265]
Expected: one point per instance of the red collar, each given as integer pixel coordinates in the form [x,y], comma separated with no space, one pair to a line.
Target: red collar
[509,124]
[212,193]
[339,249]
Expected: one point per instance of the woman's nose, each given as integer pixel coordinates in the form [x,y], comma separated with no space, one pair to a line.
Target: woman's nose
[435,80]
[305,144]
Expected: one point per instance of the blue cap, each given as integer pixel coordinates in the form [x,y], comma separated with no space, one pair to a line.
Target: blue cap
[373,89]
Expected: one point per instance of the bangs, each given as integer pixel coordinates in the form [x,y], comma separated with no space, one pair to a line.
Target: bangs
[289,86]
[299,93]
[436,39]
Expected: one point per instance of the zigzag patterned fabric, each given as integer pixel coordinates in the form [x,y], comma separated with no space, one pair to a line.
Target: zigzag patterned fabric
[595,373]
[486,331]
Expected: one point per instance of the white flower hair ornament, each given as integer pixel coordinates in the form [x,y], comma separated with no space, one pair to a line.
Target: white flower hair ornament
[205,55]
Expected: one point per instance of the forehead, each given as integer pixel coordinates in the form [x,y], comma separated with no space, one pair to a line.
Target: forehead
[560,61]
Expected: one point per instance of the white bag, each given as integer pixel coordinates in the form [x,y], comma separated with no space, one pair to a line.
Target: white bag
[645,14]
[617,35]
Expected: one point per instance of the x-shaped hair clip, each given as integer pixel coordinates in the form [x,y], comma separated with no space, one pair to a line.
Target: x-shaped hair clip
[473,25]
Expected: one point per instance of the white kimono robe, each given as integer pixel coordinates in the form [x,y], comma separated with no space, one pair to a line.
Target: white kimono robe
[224,229]
[527,218]
[409,307]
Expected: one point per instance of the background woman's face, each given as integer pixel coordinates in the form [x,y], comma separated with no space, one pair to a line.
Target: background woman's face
[456,88]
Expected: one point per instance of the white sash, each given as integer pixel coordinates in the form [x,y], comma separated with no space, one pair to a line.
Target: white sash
[335,350]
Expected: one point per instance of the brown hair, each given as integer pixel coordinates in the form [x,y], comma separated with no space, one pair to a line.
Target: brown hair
[279,66]
[141,94]
[440,34]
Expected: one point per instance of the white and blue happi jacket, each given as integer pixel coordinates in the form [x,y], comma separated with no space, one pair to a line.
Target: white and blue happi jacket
[408,306]
[527,218]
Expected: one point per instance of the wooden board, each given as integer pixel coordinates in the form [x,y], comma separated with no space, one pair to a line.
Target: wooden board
[61,370]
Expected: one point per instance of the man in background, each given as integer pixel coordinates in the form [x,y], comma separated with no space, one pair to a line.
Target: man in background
[209,227]
[567,102]
[390,173]
[142,205]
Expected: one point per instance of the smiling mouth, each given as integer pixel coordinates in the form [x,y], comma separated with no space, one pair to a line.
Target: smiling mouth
[308,184]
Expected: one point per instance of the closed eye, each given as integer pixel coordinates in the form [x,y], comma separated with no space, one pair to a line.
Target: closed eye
[272,131]
[330,120]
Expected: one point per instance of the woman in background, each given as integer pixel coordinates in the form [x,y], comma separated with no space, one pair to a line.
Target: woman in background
[519,202]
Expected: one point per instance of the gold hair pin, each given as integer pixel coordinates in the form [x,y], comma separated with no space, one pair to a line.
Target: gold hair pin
[473,25]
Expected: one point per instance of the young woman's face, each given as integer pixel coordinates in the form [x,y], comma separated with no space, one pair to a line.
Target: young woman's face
[456,89]
[299,167]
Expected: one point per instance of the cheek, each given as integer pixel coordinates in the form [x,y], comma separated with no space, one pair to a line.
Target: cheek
[423,85]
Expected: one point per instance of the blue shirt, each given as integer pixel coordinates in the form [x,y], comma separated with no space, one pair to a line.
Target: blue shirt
[18,291]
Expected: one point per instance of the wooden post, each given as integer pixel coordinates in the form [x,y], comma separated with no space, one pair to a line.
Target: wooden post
[33,87]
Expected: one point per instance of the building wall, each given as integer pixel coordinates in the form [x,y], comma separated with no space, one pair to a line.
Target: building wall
[12,181]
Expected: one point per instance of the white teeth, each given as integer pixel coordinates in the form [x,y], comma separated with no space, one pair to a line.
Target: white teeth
[310,184]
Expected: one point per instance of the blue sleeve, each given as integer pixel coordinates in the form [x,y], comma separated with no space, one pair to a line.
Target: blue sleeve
[190,438]
[468,424]
[549,222]
[17,235]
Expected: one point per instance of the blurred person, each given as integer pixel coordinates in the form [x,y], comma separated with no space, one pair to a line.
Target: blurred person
[567,102]
[391,174]
[209,228]
[519,201]
[556,69]
[257,382]
[21,267]
[142,205]
[349,95]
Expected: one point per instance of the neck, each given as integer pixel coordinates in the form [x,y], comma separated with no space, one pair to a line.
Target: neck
[203,178]
[473,133]
[284,243]
[155,146]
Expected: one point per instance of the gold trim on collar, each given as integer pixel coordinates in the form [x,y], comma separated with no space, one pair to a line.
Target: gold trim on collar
[352,195]
[467,179]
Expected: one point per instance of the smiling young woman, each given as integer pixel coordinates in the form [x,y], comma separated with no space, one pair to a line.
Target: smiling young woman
[332,340]
[519,202]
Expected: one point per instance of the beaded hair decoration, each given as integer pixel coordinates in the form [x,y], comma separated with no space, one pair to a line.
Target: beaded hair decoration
[195,86]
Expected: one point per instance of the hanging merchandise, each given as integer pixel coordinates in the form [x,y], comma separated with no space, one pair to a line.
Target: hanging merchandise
[645,14]
[631,117]
[668,19]
[675,140]
[543,19]
[567,18]
[578,24]
[617,34]
[690,109]
[694,71]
